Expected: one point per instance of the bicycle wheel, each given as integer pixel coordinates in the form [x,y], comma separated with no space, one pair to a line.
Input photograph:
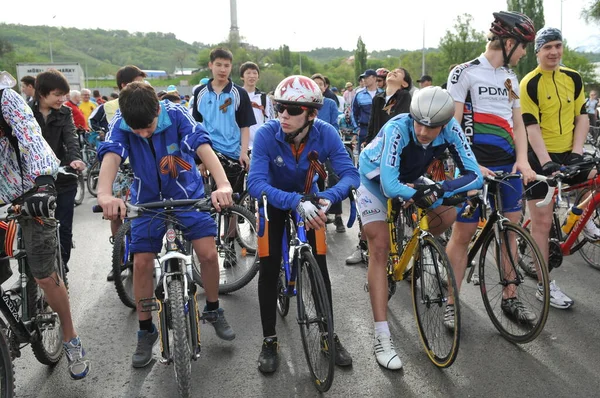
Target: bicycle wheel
[122,263]
[180,328]
[92,178]
[283,300]
[501,278]
[80,195]
[47,345]
[405,224]
[7,372]
[316,322]
[432,284]
[247,202]
[590,251]
[238,262]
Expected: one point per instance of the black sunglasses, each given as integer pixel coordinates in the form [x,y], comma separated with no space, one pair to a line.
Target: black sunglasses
[292,110]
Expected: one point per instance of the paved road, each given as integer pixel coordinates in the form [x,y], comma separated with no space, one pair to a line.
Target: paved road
[562,362]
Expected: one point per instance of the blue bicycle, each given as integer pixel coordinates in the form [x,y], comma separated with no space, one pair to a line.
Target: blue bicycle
[300,276]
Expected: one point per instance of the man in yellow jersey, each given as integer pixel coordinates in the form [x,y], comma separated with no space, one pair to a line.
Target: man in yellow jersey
[554,113]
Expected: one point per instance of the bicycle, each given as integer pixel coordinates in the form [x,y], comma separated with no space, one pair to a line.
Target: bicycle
[564,244]
[500,273]
[28,319]
[175,293]
[301,277]
[7,371]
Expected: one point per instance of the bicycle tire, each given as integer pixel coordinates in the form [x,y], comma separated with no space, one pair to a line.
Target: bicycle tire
[492,282]
[311,289]
[123,267]
[7,371]
[180,329]
[47,346]
[430,290]
[590,251]
[80,195]
[283,300]
[245,267]
[92,178]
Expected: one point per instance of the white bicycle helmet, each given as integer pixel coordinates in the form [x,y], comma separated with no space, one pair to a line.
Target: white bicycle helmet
[299,90]
[432,106]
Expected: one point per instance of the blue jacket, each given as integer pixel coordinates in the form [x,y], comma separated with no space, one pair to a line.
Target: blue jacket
[329,113]
[276,171]
[395,158]
[165,170]
[361,107]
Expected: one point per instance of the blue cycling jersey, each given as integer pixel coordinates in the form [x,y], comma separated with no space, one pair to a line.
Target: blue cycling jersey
[395,158]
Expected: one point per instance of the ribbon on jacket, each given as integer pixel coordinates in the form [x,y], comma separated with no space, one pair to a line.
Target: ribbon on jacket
[169,163]
[223,108]
[511,94]
[315,168]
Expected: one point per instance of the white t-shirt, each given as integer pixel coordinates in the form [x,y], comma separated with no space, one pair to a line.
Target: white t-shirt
[261,115]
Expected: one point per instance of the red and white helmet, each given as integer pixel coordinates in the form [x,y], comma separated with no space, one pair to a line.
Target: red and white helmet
[382,72]
[299,90]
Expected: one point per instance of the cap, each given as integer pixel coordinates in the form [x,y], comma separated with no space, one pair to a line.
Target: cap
[172,88]
[349,84]
[369,72]
[425,78]
[334,89]
[546,35]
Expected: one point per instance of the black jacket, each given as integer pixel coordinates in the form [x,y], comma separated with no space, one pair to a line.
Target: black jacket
[381,111]
[330,94]
[60,133]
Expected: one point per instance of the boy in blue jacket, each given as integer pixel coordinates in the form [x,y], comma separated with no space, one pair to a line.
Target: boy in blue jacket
[161,139]
[280,164]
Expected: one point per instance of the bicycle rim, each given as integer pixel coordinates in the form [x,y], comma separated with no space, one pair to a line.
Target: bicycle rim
[7,373]
[80,195]
[283,300]
[590,251]
[180,328]
[498,267]
[122,262]
[92,178]
[315,318]
[432,284]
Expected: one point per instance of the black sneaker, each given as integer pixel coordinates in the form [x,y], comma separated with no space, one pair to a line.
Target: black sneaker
[342,357]
[516,310]
[339,225]
[217,319]
[268,360]
[111,276]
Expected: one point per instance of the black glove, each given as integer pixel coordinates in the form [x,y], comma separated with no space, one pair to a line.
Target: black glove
[42,201]
[573,158]
[426,195]
[550,167]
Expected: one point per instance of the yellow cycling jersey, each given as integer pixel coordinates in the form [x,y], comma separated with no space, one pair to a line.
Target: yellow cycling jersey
[553,99]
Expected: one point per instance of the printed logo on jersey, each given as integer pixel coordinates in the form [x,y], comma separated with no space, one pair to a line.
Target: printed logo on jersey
[279,161]
[369,212]
[456,73]
[467,122]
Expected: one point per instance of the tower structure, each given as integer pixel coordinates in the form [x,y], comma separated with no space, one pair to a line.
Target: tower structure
[234,32]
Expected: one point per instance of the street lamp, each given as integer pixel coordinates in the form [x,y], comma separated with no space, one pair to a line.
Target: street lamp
[50,39]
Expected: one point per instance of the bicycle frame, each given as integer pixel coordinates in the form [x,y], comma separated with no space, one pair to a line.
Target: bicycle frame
[400,262]
[298,241]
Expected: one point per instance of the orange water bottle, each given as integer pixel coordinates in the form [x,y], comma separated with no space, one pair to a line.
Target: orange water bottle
[572,217]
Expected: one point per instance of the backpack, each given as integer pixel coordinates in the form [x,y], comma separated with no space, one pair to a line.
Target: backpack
[8,133]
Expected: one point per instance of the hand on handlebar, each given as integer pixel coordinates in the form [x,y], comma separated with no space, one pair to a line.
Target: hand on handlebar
[550,168]
[427,195]
[314,217]
[77,165]
[42,201]
[526,171]
[487,172]
[112,208]
[222,197]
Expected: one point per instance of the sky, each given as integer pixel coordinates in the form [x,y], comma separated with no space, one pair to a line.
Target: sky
[302,25]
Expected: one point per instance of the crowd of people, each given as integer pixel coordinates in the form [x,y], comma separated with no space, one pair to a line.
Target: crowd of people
[399,130]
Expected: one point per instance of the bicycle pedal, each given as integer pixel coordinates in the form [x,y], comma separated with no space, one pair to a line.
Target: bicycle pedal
[149,304]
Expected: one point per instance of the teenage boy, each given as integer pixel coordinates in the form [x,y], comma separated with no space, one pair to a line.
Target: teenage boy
[150,133]
[261,104]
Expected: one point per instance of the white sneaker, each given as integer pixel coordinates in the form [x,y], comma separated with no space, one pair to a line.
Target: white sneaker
[557,298]
[385,353]
[591,231]
[356,257]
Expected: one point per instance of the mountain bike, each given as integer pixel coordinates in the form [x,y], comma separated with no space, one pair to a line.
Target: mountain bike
[588,201]
[500,276]
[300,276]
[175,293]
[7,372]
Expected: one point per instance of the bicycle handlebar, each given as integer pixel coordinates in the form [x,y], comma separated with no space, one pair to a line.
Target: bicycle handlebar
[501,176]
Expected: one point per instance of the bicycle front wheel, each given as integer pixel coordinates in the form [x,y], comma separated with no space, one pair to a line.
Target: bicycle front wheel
[92,178]
[590,251]
[432,285]
[180,327]
[7,373]
[316,322]
[122,263]
[516,304]
[80,195]
[283,299]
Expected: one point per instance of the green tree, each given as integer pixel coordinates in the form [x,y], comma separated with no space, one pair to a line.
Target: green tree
[581,64]
[464,44]
[360,58]
[534,9]
[285,56]
[592,13]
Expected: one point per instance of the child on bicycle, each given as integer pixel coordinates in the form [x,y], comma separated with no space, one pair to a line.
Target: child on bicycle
[280,164]
[389,166]
[160,139]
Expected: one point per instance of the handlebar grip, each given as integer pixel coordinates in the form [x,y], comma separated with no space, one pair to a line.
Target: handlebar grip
[261,221]
[352,198]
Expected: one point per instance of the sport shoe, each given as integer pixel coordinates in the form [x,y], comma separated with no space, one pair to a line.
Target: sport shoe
[330,219]
[111,276]
[356,257]
[591,231]
[339,225]
[342,357]
[78,367]
[516,310]
[449,317]
[557,298]
[143,352]
[217,319]
[385,353]
[268,359]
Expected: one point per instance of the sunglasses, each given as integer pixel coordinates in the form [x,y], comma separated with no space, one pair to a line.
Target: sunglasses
[292,110]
